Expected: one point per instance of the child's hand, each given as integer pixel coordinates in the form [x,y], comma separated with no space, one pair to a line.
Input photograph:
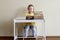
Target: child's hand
[29,17]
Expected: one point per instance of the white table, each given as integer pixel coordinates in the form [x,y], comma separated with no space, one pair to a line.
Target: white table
[24,20]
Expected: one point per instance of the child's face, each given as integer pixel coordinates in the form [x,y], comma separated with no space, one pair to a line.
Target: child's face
[31,9]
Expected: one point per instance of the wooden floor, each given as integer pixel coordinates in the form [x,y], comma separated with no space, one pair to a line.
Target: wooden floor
[48,38]
[53,37]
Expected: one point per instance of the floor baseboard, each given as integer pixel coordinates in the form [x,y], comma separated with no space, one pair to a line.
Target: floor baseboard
[12,38]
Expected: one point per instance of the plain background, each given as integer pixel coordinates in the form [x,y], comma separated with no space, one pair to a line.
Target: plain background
[9,9]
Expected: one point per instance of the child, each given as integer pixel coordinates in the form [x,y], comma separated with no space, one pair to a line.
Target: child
[30,25]
[30,13]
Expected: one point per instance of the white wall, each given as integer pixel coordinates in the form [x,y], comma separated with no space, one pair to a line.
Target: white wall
[10,8]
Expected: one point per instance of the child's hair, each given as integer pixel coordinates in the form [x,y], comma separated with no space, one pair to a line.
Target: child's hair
[30,6]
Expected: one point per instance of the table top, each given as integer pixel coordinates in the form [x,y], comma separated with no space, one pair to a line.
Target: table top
[24,20]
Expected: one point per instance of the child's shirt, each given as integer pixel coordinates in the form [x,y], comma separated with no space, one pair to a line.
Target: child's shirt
[30,23]
[29,14]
